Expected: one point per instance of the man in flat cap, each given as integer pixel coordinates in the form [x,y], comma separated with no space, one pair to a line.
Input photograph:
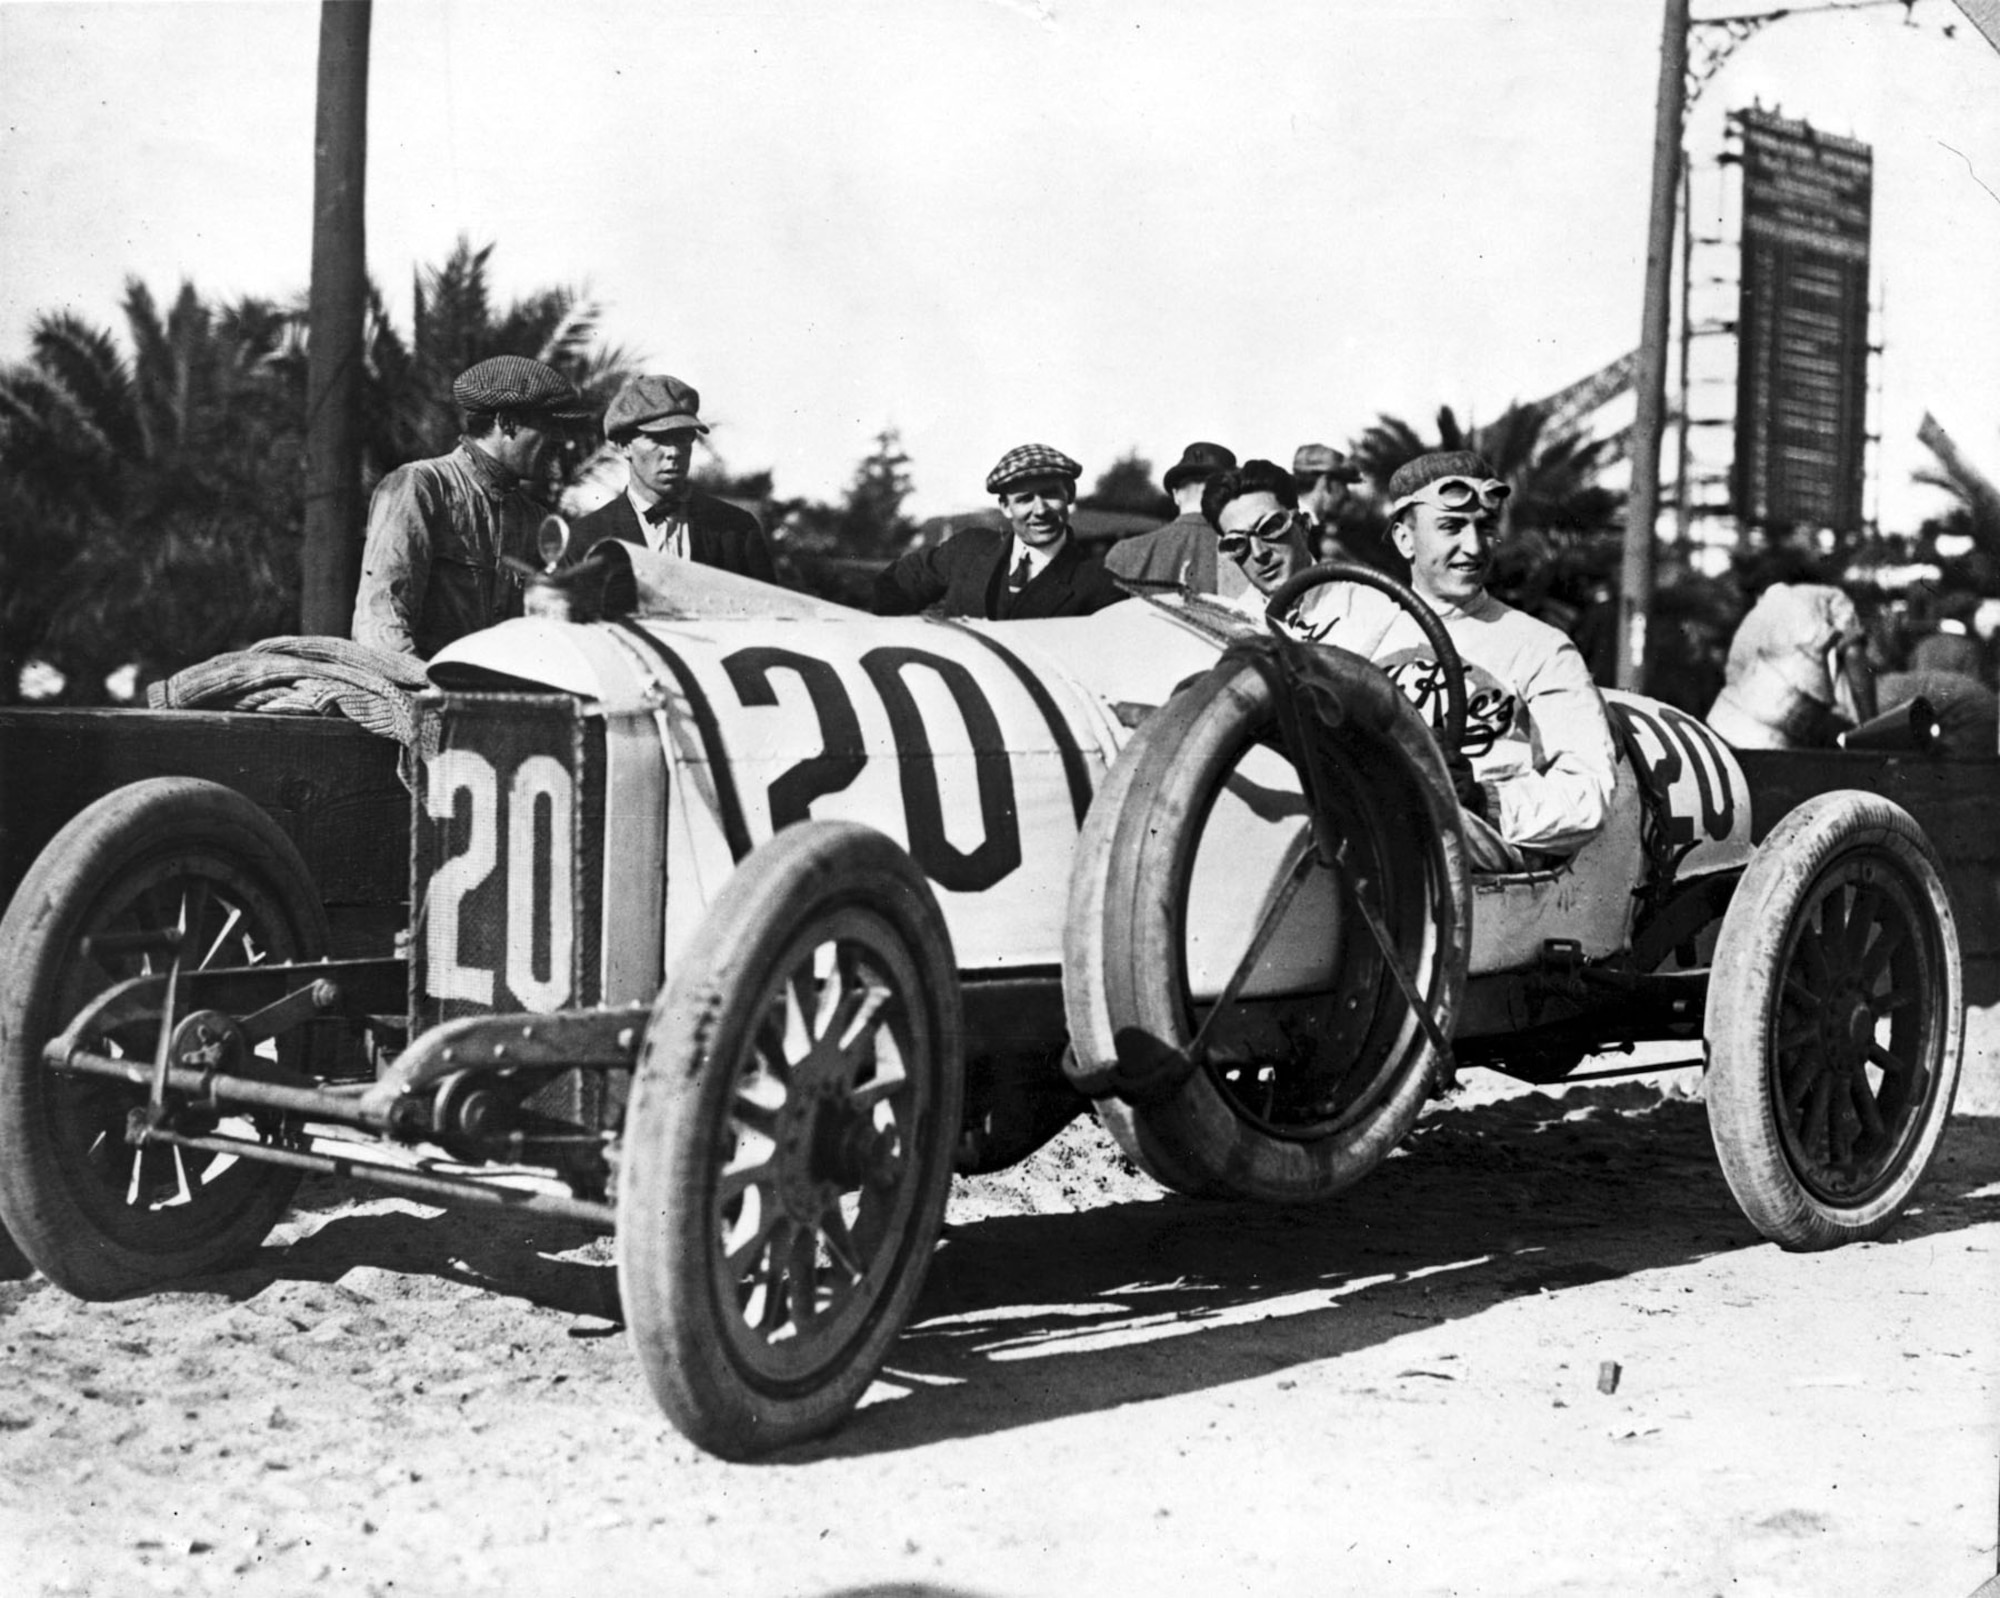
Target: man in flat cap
[1030,568]
[1183,551]
[438,529]
[652,422]
[1321,476]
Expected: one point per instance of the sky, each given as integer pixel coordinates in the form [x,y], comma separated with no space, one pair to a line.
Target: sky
[1100,224]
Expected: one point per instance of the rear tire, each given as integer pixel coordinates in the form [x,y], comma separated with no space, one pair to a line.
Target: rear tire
[1834,1022]
[96,1215]
[788,1147]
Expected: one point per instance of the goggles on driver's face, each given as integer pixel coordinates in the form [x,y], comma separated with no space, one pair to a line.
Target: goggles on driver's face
[1273,529]
[1456,494]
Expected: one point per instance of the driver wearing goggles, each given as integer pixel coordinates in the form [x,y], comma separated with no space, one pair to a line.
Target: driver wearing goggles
[1536,734]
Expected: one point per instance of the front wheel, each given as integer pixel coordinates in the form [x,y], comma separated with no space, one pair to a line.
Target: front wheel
[1834,1023]
[788,1148]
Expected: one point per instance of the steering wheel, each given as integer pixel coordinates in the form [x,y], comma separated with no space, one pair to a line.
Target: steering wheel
[1287,594]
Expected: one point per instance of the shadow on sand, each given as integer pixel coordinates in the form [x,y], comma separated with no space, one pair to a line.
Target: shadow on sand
[1030,1318]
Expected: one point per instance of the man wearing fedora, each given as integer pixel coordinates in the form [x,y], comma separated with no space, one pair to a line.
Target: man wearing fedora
[1322,476]
[1032,567]
[439,530]
[652,422]
[1183,551]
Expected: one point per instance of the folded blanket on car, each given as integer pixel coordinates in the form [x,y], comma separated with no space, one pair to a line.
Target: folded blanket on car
[304,676]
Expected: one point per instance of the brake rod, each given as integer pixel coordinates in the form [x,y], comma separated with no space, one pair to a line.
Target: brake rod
[424,1184]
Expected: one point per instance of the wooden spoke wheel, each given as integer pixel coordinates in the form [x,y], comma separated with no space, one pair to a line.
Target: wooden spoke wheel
[197,862]
[1834,1022]
[788,1149]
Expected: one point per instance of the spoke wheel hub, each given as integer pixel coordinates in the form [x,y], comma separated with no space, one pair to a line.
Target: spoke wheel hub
[826,1145]
[1851,1028]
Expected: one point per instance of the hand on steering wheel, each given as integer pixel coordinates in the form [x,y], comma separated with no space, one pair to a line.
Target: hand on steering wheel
[1288,593]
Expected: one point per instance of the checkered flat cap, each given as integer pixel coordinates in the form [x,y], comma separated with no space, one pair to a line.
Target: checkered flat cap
[515,383]
[1031,460]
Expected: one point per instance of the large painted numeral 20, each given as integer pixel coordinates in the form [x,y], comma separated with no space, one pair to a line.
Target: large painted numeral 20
[539,780]
[841,757]
[1685,744]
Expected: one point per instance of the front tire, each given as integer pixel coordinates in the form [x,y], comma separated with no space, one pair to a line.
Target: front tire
[1834,1022]
[96,1215]
[788,1148]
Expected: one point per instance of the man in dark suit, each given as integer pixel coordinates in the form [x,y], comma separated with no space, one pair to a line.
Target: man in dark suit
[652,423]
[1030,568]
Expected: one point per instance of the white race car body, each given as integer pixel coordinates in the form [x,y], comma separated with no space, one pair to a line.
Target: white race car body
[655,966]
[975,745]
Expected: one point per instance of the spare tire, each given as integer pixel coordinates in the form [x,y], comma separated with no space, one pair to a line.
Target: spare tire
[1317,1065]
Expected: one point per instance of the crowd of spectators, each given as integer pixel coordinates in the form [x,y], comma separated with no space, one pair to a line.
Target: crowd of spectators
[1785,635]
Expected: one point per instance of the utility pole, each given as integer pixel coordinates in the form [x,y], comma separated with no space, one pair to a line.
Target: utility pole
[1683,508]
[1642,503]
[330,559]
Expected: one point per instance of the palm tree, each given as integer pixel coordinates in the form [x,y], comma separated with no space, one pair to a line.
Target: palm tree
[1976,508]
[151,507]
[1554,481]
[455,323]
[69,415]
[110,465]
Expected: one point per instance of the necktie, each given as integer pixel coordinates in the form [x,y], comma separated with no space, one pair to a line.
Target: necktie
[1017,580]
[666,522]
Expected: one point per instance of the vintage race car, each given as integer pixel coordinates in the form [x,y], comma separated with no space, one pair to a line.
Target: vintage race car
[738,927]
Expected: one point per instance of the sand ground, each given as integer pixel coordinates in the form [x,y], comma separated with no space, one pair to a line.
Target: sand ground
[1106,1389]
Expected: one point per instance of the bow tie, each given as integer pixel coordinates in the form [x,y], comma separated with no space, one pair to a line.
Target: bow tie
[661,511]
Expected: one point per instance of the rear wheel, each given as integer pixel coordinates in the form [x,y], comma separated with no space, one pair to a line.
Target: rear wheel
[1289,1073]
[97,1215]
[788,1147]
[1834,1022]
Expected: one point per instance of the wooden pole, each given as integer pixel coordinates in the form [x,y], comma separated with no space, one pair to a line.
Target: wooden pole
[1683,506]
[330,559]
[1642,504]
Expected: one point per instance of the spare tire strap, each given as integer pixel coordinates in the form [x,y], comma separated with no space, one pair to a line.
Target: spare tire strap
[1444,1079]
[1287,667]
[1274,913]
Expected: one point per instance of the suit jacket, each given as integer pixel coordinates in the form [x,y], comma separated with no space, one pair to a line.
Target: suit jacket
[718,534]
[966,575]
[1181,552]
